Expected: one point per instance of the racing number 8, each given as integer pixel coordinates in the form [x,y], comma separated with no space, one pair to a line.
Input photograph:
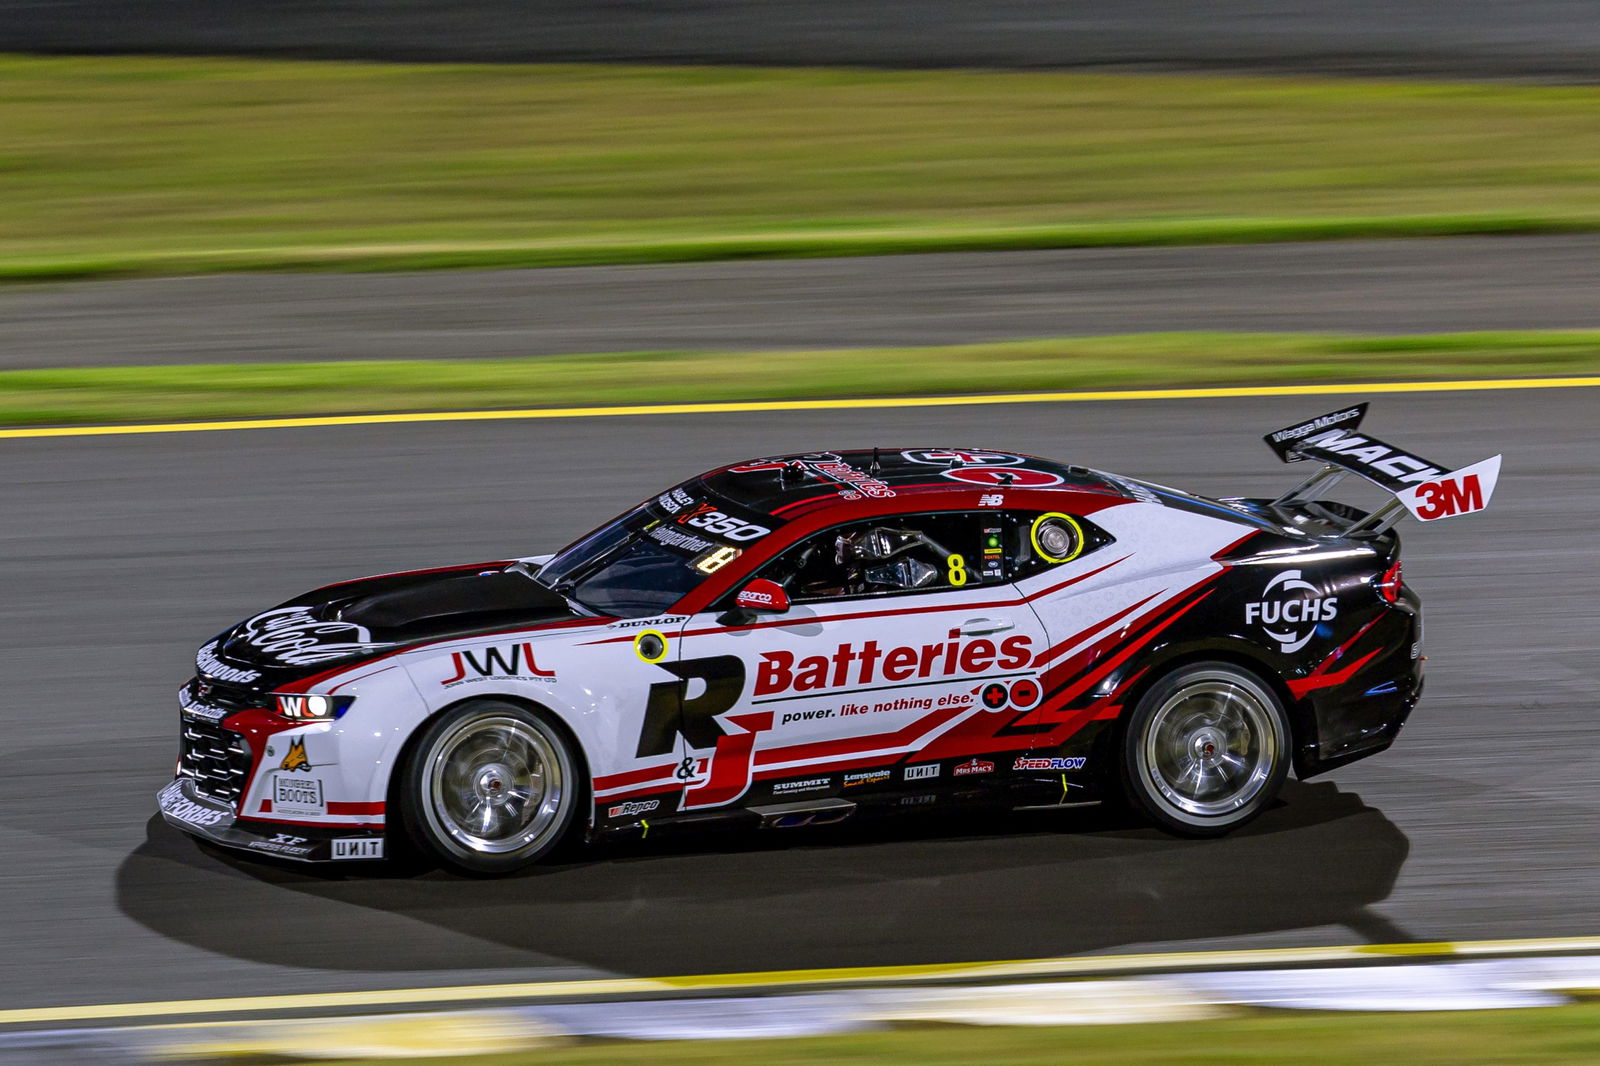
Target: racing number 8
[716,559]
[958,570]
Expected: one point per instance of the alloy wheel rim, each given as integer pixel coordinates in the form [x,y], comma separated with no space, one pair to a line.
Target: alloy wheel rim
[1210,747]
[496,785]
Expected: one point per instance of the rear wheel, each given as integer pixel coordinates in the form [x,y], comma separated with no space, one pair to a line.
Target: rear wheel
[1206,750]
[490,787]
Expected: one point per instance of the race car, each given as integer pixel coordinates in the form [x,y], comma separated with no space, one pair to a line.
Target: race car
[800,639]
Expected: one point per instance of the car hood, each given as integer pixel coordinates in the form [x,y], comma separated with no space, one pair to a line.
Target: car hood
[360,619]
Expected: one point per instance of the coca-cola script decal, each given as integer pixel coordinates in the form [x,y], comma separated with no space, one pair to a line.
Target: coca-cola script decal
[292,636]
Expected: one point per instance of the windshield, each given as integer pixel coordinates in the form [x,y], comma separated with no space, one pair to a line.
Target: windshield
[650,558]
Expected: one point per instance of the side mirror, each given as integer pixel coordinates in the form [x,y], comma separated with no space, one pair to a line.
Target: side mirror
[762,597]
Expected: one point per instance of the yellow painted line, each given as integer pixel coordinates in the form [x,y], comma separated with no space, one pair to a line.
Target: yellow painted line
[334,1000]
[1069,966]
[748,406]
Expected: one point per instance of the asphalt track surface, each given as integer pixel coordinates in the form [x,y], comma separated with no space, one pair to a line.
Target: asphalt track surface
[1412,286]
[118,555]
[1454,38]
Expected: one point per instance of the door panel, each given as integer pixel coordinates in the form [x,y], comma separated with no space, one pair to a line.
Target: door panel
[856,695]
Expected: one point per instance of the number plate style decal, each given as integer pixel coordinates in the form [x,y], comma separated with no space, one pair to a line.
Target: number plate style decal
[358,848]
[297,795]
[1458,492]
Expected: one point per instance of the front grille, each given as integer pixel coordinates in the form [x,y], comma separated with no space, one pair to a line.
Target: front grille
[216,759]
[227,696]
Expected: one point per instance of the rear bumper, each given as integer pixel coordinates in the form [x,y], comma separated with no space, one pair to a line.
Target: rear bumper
[212,820]
[1364,715]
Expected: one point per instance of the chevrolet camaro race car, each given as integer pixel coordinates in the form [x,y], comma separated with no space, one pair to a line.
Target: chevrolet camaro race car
[799,639]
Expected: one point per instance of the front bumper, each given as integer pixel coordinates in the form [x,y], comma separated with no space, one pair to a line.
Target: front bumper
[214,821]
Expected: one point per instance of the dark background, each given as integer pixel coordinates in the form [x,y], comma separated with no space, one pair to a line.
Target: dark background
[1454,38]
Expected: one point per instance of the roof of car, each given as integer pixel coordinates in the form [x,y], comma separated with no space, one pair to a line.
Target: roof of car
[787,485]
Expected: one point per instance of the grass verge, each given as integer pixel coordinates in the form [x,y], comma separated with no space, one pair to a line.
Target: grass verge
[222,391]
[162,166]
[1560,1036]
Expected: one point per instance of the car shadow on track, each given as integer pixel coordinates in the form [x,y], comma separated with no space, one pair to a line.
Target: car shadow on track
[925,889]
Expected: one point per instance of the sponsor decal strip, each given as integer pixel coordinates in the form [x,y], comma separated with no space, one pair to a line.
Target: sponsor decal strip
[1081,965]
[919,746]
[317,421]
[951,733]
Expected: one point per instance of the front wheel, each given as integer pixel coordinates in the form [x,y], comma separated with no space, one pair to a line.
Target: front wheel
[490,787]
[1206,750]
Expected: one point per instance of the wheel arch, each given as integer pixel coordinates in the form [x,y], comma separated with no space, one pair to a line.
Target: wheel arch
[1257,661]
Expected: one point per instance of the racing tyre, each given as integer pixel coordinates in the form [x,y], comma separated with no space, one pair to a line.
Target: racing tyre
[1206,750]
[490,787]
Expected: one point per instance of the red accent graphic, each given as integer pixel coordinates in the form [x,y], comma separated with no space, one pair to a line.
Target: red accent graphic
[1319,679]
[634,777]
[335,807]
[520,663]
[1057,714]
[1323,677]
[730,762]
[763,595]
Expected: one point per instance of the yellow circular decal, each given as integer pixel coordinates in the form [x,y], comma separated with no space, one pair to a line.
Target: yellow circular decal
[1061,553]
[650,646]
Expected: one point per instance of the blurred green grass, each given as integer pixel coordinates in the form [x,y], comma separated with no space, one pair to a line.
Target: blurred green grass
[1557,1036]
[154,165]
[220,391]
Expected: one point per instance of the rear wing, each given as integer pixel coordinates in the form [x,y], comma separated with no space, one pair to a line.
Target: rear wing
[1425,489]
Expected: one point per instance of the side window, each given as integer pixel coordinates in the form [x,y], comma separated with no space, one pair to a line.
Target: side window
[1040,540]
[905,553]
